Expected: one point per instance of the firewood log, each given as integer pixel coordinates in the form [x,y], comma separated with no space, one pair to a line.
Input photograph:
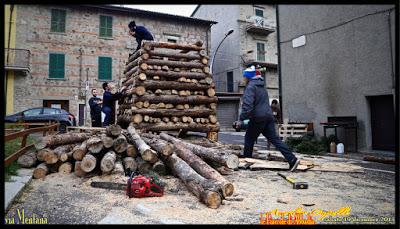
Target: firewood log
[88,163]
[143,166]
[173,99]
[40,171]
[78,169]
[159,145]
[230,160]
[159,167]
[65,168]
[28,159]
[120,144]
[201,187]
[131,151]
[60,139]
[94,145]
[145,151]
[113,130]
[130,164]
[107,141]
[108,162]
[118,168]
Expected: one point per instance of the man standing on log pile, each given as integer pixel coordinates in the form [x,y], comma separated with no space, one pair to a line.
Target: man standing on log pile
[95,109]
[140,32]
[256,108]
[109,104]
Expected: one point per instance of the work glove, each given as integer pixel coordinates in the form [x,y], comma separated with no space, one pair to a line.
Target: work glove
[237,125]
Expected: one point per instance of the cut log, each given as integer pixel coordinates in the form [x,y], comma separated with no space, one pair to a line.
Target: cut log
[130,165]
[146,104]
[63,152]
[213,106]
[166,85]
[175,55]
[146,127]
[137,118]
[88,163]
[79,151]
[136,90]
[211,92]
[120,144]
[42,153]
[145,151]
[60,139]
[65,168]
[180,107]
[176,75]
[78,169]
[108,162]
[203,168]
[159,145]
[113,130]
[174,99]
[118,168]
[223,157]
[94,145]
[28,160]
[143,166]
[136,55]
[169,106]
[40,171]
[131,151]
[148,45]
[50,157]
[171,113]
[202,188]
[107,141]
[213,119]
[159,167]
[385,160]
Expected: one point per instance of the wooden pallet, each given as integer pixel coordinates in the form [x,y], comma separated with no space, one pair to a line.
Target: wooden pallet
[292,130]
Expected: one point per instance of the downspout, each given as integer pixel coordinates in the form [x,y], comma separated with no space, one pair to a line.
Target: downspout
[279,61]
[80,71]
[8,52]
[391,63]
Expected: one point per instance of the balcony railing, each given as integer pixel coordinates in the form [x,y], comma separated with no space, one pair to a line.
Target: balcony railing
[260,25]
[17,59]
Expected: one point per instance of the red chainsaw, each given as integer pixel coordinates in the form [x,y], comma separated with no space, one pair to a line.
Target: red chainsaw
[137,186]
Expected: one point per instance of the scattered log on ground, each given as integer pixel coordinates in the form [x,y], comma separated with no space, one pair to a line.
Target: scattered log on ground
[201,187]
[108,162]
[78,169]
[42,153]
[120,144]
[88,163]
[94,145]
[60,139]
[145,151]
[64,152]
[40,171]
[113,130]
[143,166]
[203,168]
[28,160]
[118,168]
[79,151]
[65,168]
[159,145]
[384,160]
[130,164]
[228,159]
[159,167]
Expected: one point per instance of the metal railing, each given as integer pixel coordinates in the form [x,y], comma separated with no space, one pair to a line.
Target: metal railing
[17,59]
[261,22]
[24,133]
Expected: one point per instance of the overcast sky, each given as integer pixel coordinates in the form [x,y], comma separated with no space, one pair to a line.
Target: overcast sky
[182,10]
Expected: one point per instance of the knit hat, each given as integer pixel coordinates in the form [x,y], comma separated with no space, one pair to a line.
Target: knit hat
[249,72]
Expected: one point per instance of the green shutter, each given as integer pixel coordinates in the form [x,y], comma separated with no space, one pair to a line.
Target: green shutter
[105,26]
[56,66]
[58,20]
[105,68]
[260,52]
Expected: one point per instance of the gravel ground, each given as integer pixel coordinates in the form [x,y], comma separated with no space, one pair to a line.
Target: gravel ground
[66,199]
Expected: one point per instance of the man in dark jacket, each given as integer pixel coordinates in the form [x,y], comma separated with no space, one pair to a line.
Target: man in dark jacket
[140,32]
[95,109]
[255,107]
[109,104]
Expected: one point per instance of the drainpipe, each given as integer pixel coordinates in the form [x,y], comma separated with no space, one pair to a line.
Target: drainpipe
[391,63]
[80,71]
[279,61]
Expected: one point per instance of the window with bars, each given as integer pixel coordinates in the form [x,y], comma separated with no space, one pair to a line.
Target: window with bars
[58,20]
[56,66]
[260,51]
[105,66]
[105,26]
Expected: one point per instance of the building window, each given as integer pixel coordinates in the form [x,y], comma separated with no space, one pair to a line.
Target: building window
[259,12]
[260,51]
[172,38]
[229,81]
[105,65]
[58,21]
[105,26]
[56,66]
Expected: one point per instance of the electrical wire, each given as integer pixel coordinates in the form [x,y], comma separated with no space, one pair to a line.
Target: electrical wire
[340,24]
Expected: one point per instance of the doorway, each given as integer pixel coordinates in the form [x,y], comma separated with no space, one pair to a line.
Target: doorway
[382,122]
[81,114]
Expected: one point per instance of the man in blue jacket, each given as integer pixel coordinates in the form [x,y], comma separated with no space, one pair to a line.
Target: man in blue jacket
[255,107]
[140,32]
[109,104]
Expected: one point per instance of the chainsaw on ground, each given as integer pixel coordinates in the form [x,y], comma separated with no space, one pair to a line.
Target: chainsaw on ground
[137,186]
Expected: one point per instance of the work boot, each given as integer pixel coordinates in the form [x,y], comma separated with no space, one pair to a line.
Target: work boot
[293,165]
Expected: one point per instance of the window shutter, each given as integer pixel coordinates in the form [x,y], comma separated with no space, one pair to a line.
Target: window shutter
[61,65]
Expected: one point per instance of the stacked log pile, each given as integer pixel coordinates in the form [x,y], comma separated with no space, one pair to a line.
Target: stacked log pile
[168,86]
[119,151]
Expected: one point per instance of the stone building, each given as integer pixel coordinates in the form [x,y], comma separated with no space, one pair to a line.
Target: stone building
[339,61]
[75,48]
[253,41]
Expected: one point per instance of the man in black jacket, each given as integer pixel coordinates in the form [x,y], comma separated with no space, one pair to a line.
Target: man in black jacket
[255,107]
[95,109]
[109,100]
[140,33]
